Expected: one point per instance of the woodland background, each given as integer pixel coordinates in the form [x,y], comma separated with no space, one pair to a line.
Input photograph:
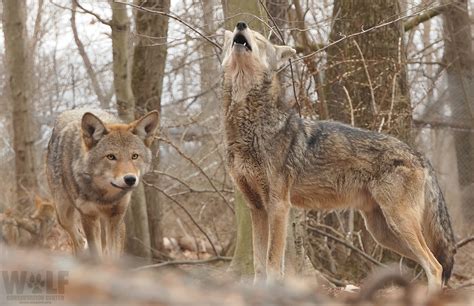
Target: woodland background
[400,67]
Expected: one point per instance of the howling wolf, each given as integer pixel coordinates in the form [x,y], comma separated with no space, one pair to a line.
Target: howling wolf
[278,159]
[93,164]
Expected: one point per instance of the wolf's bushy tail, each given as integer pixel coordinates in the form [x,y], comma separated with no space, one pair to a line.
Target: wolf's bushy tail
[438,225]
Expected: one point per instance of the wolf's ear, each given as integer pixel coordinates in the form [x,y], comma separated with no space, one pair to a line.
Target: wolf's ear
[284,53]
[145,127]
[92,130]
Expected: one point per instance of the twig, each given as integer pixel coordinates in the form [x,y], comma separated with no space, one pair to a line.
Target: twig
[363,31]
[364,63]
[162,254]
[425,16]
[183,262]
[345,243]
[441,124]
[350,104]
[199,168]
[106,22]
[174,17]
[469,283]
[98,90]
[463,242]
[188,214]
[289,60]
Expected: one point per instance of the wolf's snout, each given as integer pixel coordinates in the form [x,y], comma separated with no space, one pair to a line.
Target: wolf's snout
[240,40]
[130,180]
[241,26]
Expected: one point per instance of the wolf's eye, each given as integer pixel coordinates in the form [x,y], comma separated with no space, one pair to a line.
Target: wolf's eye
[134,156]
[111,157]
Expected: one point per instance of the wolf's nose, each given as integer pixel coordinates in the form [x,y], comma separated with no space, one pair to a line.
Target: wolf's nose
[241,26]
[130,180]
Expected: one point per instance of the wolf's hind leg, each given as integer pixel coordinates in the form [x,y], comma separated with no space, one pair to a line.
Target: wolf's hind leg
[377,225]
[404,221]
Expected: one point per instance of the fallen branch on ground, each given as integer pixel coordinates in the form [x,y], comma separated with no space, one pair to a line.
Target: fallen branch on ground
[183,262]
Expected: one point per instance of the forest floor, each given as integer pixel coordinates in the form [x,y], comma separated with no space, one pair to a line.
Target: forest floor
[128,282]
[122,283]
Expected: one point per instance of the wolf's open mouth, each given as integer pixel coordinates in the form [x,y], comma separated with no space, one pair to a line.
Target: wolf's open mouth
[239,39]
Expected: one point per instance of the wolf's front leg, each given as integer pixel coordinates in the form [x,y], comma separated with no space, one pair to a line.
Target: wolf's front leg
[91,225]
[278,214]
[260,242]
[259,226]
[114,228]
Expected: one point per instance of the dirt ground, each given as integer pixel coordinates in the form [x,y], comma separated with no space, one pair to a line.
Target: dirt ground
[78,282]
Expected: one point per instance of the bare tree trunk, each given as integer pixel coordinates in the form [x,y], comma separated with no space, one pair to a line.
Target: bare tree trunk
[208,64]
[120,25]
[366,77]
[459,60]
[104,99]
[14,28]
[149,59]
[137,237]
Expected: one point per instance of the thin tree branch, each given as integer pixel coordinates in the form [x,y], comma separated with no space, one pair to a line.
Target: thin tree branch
[37,27]
[198,167]
[183,262]
[282,38]
[87,62]
[106,22]
[463,242]
[372,94]
[187,213]
[317,48]
[174,17]
[347,244]
[424,16]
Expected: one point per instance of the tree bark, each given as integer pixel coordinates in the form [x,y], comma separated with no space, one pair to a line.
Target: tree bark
[137,235]
[366,77]
[120,25]
[149,59]
[208,65]
[14,28]
[104,99]
[459,62]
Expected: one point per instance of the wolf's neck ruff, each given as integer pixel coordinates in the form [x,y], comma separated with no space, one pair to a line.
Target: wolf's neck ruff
[243,73]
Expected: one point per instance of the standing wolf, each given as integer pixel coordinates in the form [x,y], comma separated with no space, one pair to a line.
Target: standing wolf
[277,159]
[92,167]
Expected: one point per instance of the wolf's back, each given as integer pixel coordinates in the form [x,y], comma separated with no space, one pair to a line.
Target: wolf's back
[439,230]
